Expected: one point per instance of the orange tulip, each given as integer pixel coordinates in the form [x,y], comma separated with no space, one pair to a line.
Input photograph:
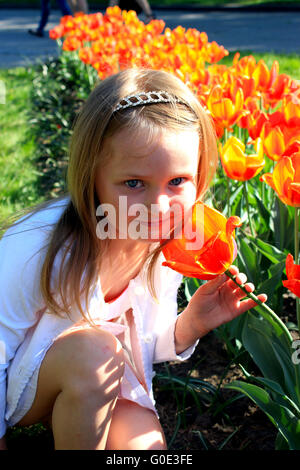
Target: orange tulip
[293,275]
[273,140]
[217,252]
[285,179]
[291,110]
[226,111]
[237,164]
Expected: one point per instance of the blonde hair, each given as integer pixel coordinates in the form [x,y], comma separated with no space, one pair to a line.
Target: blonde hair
[94,124]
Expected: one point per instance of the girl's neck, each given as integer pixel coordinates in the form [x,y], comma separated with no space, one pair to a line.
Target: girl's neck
[119,265]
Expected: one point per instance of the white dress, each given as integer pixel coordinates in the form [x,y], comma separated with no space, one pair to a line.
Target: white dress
[144,327]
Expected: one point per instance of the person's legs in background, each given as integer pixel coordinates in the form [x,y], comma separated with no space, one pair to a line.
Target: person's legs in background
[45,12]
[146,8]
[64,6]
[79,5]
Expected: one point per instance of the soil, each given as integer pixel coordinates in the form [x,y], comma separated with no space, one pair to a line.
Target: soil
[247,425]
[238,425]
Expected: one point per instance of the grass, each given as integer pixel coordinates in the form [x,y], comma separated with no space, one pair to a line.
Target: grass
[17,169]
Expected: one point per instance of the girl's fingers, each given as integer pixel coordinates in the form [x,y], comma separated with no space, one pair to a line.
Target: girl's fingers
[247,304]
[241,278]
[211,286]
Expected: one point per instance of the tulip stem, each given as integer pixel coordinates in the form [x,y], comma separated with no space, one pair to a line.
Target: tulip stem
[296,242]
[264,306]
[247,207]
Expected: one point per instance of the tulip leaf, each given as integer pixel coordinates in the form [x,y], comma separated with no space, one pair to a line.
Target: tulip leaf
[281,442]
[269,285]
[262,223]
[283,226]
[268,348]
[284,420]
[249,260]
[275,389]
[269,251]
[191,284]
[265,213]
[235,201]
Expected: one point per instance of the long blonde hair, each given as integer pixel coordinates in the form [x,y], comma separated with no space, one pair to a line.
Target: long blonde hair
[76,229]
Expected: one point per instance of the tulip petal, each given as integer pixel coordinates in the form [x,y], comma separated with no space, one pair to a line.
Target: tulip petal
[232,223]
[292,269]
[293,285]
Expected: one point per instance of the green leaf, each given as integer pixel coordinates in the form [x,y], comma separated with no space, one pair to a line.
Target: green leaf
[276,390]
[269,285]
[249,259]
[191,284]
[285,421]
[270,351]
[271,252]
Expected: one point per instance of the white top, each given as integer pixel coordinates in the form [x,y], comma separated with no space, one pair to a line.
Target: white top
[27,329]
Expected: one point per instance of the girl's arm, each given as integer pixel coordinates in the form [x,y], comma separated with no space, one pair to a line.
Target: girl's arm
[216,302]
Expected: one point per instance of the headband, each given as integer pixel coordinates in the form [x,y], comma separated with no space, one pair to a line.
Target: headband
[146,97]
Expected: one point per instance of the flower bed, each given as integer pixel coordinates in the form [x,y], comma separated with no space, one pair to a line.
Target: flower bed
[256,111]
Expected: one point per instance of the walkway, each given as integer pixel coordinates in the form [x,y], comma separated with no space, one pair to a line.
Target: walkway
[235,30]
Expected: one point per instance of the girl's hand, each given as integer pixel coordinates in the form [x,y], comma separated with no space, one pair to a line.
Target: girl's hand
[220,300]
[216,302]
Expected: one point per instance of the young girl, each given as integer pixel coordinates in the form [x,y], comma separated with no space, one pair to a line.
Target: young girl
[84,315]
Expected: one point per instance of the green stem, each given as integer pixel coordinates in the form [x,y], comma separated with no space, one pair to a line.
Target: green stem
[247,207]
[268,310]
[296,244]
[226,177]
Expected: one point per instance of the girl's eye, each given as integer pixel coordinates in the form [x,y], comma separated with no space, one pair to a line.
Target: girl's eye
[177,181]
[132,183]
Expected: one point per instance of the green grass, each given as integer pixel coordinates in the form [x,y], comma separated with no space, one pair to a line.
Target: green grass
[18,175]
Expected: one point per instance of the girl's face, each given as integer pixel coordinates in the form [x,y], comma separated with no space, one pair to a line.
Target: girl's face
[147,185]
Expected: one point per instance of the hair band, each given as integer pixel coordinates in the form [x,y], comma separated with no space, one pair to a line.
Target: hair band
[146,97]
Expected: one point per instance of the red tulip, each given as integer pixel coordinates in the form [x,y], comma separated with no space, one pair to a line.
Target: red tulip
[293,275]
[217,252]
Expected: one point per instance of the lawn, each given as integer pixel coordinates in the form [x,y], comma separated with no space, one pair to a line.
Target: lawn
[17,166]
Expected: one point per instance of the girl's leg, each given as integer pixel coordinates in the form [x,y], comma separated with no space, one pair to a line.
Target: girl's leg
[134,428]
[78,384]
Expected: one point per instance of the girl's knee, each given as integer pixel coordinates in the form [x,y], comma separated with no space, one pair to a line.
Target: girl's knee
[91,359]
[135,428]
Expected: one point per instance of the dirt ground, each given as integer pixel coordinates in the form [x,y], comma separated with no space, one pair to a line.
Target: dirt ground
[248,427]
[240,425]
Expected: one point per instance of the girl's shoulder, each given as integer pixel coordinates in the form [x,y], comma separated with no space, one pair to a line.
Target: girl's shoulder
[39,221]
[31,233]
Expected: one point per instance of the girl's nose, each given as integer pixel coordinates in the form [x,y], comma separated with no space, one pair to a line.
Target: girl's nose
[163,203]
[158,204]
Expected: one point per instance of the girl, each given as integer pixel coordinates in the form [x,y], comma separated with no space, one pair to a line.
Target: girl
[86,306]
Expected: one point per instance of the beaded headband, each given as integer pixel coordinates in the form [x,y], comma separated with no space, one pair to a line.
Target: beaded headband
[146,97]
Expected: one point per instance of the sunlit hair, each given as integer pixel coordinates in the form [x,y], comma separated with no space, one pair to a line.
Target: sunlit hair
[94,126]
